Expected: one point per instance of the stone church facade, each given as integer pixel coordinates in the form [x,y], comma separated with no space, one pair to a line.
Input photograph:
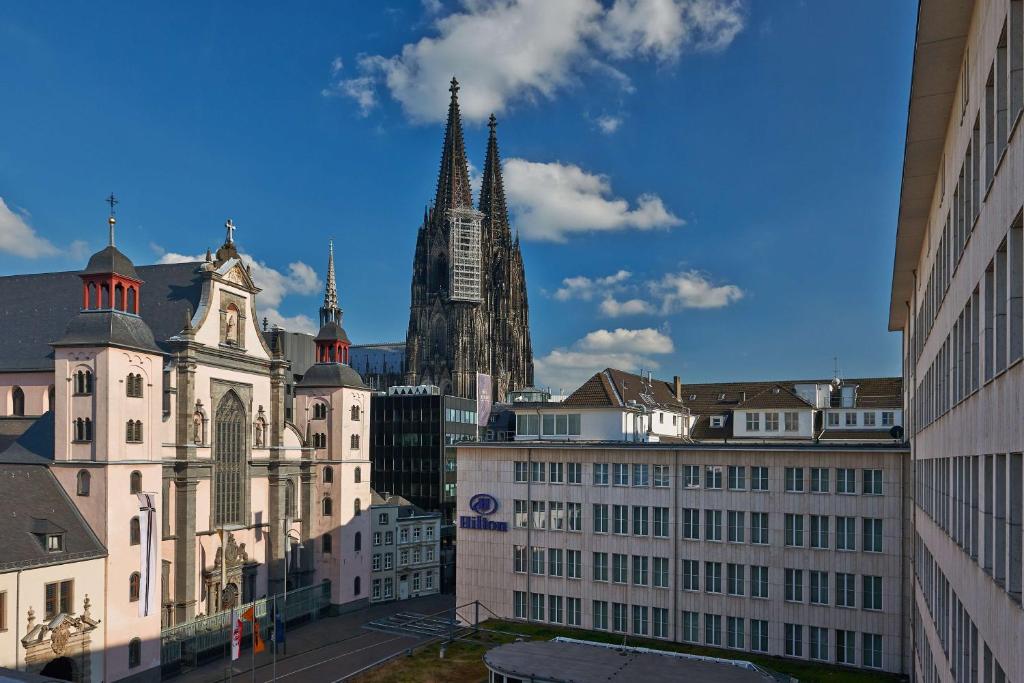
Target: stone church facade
[469,311]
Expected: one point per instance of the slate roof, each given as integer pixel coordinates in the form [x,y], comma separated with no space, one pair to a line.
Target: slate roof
[34,446]
[332,375]
[331,331]
[95,328]
[111,260]
[37,308]
[36,504]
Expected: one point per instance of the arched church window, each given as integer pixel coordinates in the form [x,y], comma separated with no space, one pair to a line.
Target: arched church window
[119,297]
[357,544]
[92,295]
[327,508]
[133,385]
[83,482]
[83,429]
[136,482]
[229,459]
[132,305]
[328,475]
[355,413]
[83,382]
[133,587]
[134,534]
[104,296]
[133,431]
[354,440]
[358,475]
[134,653]
[319,411]
[325,544]
[18,401]
[356,586]
[358,507]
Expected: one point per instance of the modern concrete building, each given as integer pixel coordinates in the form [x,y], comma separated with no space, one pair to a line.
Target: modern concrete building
[792,547]
[406,549]
[957,287]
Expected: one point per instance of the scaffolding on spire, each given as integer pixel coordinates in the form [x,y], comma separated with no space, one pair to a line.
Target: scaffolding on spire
[464,247]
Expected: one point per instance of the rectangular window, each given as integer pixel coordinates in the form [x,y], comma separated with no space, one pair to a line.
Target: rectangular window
[600,518]
[833,419]
[600,566]
[537,471]
[734,574]
[575,472]
[872,650]
[795,585]
[713,577]
[792,422]
[869,419]
[872,535]
[640,520]
[759,528]
[661,476]
[59,598]
[819,480]
[659,622]
[819,587]
[759,478]
[555,562]
[574,564]
[641,474]
[556,472]
[557,509]
[771,422]
[660,522]
[522,471]
[691,524]
[794,530]
[736,524]
[620,472]
[519,604]
[518,558]
[573,612]
[521,515]
[555,614]
[753,422]
[713,477]
[537,561]
[759,635]
[540,515]
[713,629]
[819,531]
[640,570]
[846,647]
[818,643]
[599,615]
[601,474]
[846,533]
[620,570]
[537,606]
[620,519]
[737,478]
[846,480]
[794,640]
[888,419]
[561,425]
[691,575]
[794,479]
[548,425]
[712,525]
[758,581]
[851,419]
[639,620]
[574,424]
[619,617]
[734,632]
[574,513]
[872,482]
[845,590]
[872,592]
[691,476]
[690,627]
[659,574]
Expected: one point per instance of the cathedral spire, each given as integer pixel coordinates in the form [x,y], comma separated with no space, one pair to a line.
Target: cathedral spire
[330,311]
[453,189]
[492,188]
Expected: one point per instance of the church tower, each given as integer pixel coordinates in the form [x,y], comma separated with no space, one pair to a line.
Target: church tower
[468,312]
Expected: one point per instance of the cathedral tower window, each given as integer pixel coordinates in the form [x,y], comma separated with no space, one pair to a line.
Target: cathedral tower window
[327,507]
[357,543]
[133,587]
[355,413]
[84,481]
[133,305]
[135,485]
[358,505]
[325,544]
[358,475]
[133,385]
[319,411]
[354,441]
[83,429]
[134,533]
[83,383]
[133,431]
[17,401]
[229,460]
[328,475]
[119,296]
[319,440]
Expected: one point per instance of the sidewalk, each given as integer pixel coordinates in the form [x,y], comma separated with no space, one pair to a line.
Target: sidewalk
[324,643]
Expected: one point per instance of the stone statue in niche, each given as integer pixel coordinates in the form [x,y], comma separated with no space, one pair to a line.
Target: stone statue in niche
[231,326]
[260,428]
[197,423]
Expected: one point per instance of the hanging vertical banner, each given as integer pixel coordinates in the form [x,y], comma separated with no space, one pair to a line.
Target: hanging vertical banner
[483,399]
[236,635]
[147,550]
[257,639]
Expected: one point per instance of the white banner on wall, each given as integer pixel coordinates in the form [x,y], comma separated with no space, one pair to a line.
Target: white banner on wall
[147,549]
[483,399]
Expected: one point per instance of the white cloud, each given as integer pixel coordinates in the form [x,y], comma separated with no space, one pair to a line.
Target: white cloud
[19,238]
[361,89]
[608,124]
[554,200]
[691,289]
[629,350]
[510,51]
[582,287]
[300,278]
[613,308]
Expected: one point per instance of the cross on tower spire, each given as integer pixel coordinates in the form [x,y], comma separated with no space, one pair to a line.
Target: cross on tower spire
[230,227]
[112,200]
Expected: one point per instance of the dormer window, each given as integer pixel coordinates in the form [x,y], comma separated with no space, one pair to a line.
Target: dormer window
[717,421]
[54,543]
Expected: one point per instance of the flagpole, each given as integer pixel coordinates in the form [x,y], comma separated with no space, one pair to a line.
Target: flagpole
[252,643]
[275,638]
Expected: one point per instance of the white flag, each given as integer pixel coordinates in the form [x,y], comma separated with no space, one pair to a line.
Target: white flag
[236,635]
[148,554]
[483,399]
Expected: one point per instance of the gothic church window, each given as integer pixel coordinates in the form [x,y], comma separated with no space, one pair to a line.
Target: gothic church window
[327,508]
[358,475]
[358,507]
[83,383]
[134,533]
[229,459]
[84,481]
[133,385]
[328,475]
[355,441]
[355,413]
[133,431]
[18,401]
[133,587]
[83,429]
[136,482]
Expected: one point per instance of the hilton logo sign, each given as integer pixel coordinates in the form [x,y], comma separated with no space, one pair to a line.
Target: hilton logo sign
[484,505]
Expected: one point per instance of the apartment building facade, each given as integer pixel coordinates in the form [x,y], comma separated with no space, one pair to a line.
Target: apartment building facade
[958,299]
[406,559]
[792,549]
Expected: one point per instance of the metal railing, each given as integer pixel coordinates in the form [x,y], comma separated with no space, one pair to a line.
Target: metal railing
[186,645]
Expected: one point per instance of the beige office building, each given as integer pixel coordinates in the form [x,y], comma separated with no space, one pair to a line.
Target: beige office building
[958,280]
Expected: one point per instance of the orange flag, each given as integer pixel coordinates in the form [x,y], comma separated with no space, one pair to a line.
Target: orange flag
[249,614]
[257,639]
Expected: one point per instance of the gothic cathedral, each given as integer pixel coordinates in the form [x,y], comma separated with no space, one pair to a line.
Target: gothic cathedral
[469,311]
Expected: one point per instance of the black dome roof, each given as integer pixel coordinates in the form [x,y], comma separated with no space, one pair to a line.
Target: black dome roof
[332,331]
[111,260]
[332,375]
[109,328]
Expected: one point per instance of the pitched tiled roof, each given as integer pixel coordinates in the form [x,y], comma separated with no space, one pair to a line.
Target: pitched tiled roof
[595,392]
[856,435]
[776,396]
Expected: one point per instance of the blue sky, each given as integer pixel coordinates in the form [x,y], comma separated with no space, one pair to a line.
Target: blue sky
[704,187]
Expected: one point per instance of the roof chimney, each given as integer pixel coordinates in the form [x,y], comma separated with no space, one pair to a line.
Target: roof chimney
[678,388]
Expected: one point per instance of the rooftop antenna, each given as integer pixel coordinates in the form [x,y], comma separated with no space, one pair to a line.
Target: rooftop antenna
[835,369]
[112,200]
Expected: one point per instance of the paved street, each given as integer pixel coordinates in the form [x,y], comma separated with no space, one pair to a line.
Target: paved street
[328,649]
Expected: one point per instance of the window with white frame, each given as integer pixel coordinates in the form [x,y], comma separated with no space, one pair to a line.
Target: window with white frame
[753,422]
